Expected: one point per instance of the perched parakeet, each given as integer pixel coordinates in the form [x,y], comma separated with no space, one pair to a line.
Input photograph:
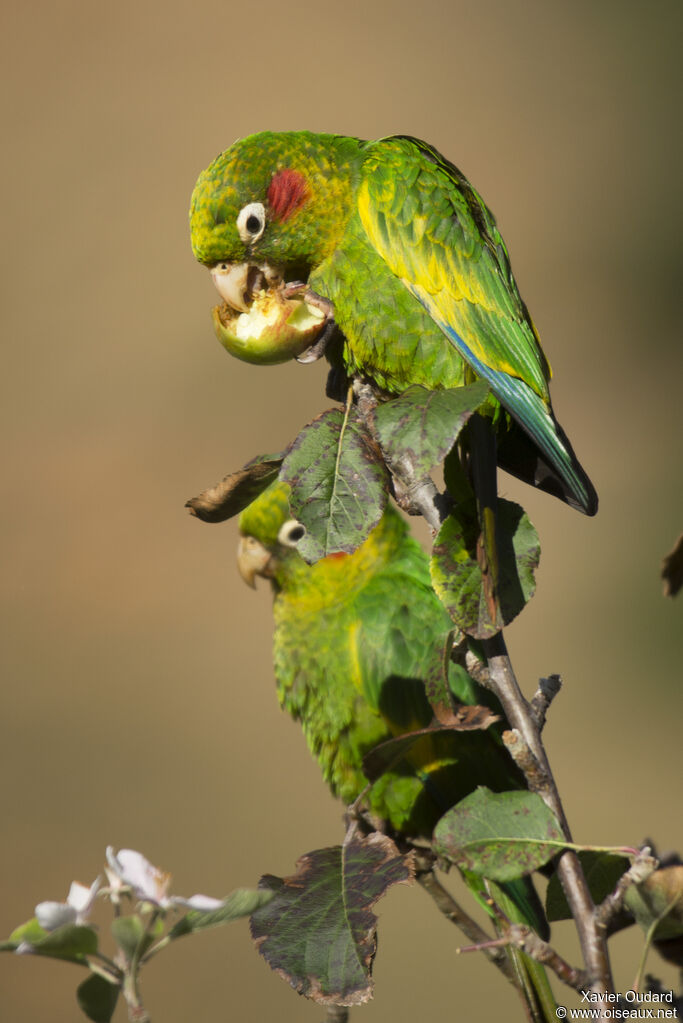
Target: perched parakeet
[355,636]
[395,246]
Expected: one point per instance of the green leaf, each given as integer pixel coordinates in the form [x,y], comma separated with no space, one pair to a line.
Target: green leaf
[422,426]
[319,930]
[501,835]
[602,871]
[338,483]
[130,931]
[237,490]
[457,575]
[97,998]
[241,902]
[30,932]
[470,718]
[71,941]
[659,900]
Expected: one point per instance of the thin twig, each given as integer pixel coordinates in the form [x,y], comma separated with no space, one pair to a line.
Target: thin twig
[536,777]
[548,688]
[336,1014]
[522,937]
[592,938]
[641,868]
[447,905]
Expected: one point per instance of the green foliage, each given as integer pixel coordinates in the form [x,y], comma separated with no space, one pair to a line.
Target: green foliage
[457,573]
[134,936]
[71,941]
[319,929]
[602,870]
[339,484]
[499,835]
[97,998]
[241,902]
[422,426]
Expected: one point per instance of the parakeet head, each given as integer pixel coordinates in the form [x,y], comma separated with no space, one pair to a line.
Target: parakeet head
[270,208]
[268,538]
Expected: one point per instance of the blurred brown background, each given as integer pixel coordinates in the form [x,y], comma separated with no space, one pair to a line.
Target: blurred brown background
[138,704]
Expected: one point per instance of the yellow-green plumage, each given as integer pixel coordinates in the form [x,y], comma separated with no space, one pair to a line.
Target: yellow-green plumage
[355,636]
[405,250]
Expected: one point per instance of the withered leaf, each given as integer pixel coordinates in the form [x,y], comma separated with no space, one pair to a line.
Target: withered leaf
[672,569]
[318,931]
[236,490]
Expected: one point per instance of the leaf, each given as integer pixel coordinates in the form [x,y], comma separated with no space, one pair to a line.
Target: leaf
[602,871]
[387,754]
[72,942]
[338,483]
[422,426]
[318,932]
[457,576]
[237,490]
[241,902]
[501,835]
[659,900]
[133,936]
[97,998]
[436,679]
[672,569]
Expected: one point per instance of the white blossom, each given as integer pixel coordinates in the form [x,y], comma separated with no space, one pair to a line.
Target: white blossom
[150,884]
[76,909]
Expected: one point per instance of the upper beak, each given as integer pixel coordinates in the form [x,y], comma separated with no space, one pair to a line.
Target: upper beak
[237,283]
[252,560]
[231,280]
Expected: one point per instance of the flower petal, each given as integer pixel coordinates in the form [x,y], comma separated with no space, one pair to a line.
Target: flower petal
[203,903]
[147,881]
[51,915]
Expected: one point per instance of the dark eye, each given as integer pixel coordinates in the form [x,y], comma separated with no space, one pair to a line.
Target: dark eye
[291,532]
[251,222]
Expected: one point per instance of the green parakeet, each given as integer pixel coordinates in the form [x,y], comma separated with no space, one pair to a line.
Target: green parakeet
[397,248]
[355,637]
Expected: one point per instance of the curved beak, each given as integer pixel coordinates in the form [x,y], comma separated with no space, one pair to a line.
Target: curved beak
[231,281]
[237,283]
[252,560]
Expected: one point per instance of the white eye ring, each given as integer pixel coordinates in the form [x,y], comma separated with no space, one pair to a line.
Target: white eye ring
[251,222]
[291,532]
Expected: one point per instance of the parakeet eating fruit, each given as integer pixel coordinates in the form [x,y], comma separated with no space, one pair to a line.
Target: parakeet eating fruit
[394,246]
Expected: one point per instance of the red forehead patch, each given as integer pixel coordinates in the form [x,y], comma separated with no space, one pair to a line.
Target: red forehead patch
[287,192]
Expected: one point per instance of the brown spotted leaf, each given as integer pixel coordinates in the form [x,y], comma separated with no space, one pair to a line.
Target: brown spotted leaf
[500,835]
[437,687]
[338,481]
[318,931]
[421,426]
[456,567]
[237,490]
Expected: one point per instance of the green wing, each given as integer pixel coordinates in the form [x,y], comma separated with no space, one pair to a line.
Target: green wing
[437,236]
